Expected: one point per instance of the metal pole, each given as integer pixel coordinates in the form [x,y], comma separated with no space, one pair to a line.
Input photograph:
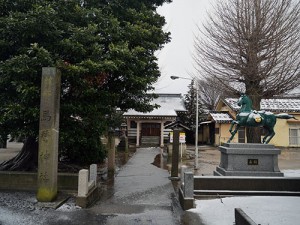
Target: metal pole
[197,115]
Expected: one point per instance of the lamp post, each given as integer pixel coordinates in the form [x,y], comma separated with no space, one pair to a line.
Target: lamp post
[197,116]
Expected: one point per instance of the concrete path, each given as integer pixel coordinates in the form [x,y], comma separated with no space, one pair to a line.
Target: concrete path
[141,193]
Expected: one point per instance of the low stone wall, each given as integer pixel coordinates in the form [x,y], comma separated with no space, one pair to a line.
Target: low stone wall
[268,185]
[88,189]
[186,191]
[241,218]
[92,196]
[203,186]
[27,181]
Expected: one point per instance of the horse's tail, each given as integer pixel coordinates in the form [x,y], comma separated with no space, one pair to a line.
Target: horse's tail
[285,116]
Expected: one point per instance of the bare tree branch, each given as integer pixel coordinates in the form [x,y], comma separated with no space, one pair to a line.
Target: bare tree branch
[252,43]
[251,46]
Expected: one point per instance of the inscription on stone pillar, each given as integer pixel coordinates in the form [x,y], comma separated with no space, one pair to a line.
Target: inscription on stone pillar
[48,134]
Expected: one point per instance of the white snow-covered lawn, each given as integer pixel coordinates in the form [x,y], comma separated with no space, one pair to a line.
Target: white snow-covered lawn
[291,173]
[264,210]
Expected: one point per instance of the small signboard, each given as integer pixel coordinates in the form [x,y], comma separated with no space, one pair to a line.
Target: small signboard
[182,137]
[171,137]
[253,162]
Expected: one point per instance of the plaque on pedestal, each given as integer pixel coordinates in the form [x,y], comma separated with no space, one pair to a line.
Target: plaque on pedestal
[239,159]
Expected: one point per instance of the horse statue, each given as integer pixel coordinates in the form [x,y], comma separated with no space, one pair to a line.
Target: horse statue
[252,118]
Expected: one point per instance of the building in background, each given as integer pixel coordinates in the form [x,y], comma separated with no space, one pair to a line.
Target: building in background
[148,129]
[215,131]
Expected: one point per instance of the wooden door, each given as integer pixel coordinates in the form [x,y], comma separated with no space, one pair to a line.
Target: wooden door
[150,129]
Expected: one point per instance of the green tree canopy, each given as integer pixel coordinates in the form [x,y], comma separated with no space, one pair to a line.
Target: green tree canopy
[105,50]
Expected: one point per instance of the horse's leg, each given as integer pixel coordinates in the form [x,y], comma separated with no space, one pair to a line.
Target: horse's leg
[271,135]
[233,132]
[267,135]
[230,130]
[232,124]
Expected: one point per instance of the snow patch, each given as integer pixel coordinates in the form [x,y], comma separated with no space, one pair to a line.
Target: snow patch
[263,210]
[291,173]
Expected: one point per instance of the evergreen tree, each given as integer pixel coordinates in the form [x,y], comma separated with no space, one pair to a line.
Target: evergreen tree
[105,50]
[190,100]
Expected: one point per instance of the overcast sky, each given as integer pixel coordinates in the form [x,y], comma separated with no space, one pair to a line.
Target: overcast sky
[182,17]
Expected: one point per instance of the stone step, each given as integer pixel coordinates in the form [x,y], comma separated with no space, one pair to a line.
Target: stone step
[150,141]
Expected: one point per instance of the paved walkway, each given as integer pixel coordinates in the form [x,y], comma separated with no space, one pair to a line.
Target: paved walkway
[140,194]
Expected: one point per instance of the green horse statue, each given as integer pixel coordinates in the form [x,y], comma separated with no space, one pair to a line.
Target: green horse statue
[252,118]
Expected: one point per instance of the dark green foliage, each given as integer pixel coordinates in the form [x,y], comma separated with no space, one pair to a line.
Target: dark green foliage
[190,99]
[105,51]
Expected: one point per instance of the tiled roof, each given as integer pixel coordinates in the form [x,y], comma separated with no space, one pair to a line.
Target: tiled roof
[170,104]
[221,117]
[291,105]
[273,105]
[176,124]
[232,103]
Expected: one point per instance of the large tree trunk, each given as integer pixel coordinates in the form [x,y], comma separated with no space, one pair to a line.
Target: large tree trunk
[26,160]
[254,133]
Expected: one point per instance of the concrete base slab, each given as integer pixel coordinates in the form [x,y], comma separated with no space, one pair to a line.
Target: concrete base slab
[174,178]
[248,160]
[59,201]
[186,203]
[93,196]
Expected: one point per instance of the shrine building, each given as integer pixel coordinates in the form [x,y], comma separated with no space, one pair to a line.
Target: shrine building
[149,129]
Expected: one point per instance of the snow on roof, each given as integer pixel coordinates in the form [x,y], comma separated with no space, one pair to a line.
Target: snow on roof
[176,124]
[232,103]
[221,117]
[281,105]
[169,104]
[275,105]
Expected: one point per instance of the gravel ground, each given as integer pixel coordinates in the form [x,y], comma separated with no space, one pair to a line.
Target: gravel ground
[23,208]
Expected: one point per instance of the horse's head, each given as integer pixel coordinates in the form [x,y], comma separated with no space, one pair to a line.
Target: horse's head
[242,100]
[245,102]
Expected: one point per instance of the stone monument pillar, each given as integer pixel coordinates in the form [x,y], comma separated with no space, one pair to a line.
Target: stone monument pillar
[48,134]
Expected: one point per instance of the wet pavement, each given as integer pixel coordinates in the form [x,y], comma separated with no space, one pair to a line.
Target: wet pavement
[141,193]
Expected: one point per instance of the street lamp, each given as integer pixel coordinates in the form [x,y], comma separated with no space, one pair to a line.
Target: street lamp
[197,116]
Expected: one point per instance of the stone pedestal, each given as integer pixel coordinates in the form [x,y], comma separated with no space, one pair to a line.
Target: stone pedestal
[239,159]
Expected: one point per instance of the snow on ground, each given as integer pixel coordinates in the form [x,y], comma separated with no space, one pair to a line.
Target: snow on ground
[264,210]
[291,173]
[69,206]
